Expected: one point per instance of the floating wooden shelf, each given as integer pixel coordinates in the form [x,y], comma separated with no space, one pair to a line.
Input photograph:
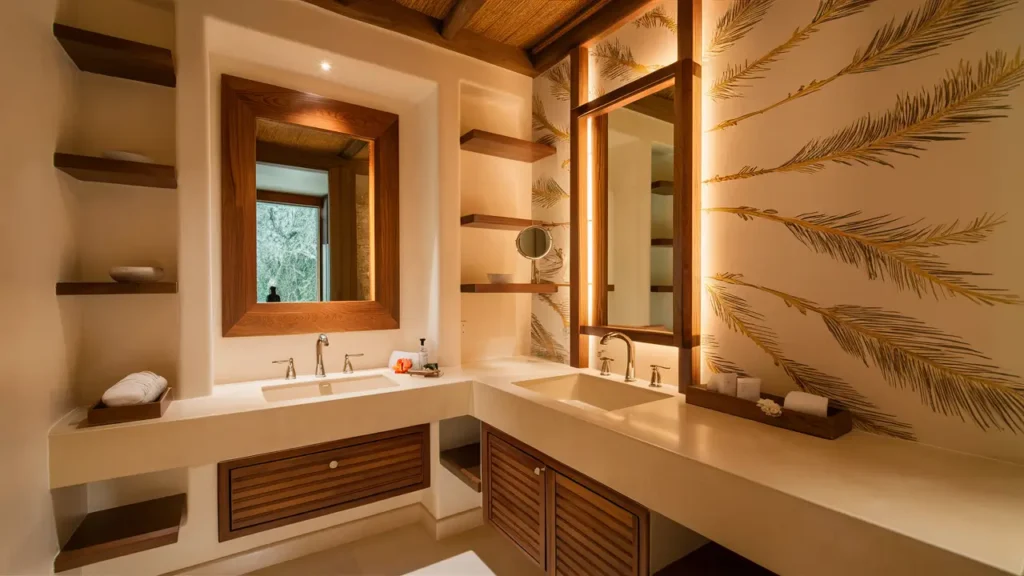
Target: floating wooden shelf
[662,187]
[497,222]
[504,146]
[121,531]
[464,463]
[94,169]
[661,288]
[661,241]
[110,56]
[107,288]
[510,288]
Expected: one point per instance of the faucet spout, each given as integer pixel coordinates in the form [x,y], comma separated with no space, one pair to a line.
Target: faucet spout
[321,341]
[630,353]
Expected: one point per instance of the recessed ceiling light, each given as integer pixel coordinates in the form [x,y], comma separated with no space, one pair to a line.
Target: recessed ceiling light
[325,66]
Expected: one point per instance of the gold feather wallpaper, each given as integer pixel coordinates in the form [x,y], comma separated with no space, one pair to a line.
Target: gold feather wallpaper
[862,189]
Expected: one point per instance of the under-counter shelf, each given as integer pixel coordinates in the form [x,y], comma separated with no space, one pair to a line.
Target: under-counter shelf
[109,288]
[497,222]
[661,241]
[95,169]
[464,463]
[662,288]
[121,531]
[509,288]
[492,144]
[110,56]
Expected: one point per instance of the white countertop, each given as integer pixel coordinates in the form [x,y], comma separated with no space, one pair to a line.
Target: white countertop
[879,496]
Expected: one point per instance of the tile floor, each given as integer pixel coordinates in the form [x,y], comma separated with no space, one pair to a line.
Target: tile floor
[411,551]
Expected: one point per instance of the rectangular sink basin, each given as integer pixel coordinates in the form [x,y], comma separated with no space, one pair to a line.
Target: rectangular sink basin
[282,392]
[590,393]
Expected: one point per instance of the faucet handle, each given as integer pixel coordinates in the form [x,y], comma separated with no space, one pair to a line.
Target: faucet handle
[656,375]
[353,355]
[605,368]
[289,373]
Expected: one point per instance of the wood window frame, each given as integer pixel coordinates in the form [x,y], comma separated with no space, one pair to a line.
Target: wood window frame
[242,102]
[685,76]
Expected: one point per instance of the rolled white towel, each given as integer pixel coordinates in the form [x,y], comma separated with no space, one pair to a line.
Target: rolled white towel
[137,388]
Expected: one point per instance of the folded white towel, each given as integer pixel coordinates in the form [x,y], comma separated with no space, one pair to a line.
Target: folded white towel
[137,388]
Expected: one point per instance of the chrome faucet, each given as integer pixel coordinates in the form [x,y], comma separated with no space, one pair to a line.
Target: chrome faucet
[656,375]
[289,372]
[320,343]
[347,369]
[630,353]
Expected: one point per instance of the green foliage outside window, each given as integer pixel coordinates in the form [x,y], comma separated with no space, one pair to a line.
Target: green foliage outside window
[287,245]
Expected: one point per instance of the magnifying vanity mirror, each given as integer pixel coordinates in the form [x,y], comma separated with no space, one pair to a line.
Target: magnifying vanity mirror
[309,213]
[534,243]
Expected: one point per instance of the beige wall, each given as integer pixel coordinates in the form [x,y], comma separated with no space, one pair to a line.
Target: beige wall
[38,350]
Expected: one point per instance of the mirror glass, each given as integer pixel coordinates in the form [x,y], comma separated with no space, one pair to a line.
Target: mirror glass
[534,242]
[640,172]
[313,219]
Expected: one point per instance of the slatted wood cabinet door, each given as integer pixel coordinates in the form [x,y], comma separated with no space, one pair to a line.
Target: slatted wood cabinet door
[592,534]
[515,495]
[271,490]
[567,523]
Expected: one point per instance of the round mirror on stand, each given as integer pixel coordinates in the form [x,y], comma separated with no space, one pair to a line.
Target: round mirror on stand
[534,243]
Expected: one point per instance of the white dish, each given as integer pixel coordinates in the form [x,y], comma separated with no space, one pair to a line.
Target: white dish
[136,273]
[499,278]
[127,156]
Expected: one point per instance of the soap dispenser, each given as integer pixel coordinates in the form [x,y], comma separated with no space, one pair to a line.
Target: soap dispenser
[423,353]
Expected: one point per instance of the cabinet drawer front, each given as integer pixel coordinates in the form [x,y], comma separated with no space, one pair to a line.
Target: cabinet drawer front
[267,491]
[514,496]
[592,535]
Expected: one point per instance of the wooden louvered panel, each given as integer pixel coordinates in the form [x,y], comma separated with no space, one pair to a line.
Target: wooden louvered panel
[593,535]
[514,496]
[272,490]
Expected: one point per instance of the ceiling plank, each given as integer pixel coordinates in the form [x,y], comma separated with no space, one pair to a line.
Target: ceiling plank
[392,16]
[459,16]
[601,23]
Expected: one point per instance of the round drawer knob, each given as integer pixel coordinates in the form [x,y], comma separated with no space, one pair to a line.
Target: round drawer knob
[537,471]
[334,464]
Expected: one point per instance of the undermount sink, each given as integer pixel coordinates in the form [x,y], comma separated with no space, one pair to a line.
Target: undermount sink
[282,392]
[590,393]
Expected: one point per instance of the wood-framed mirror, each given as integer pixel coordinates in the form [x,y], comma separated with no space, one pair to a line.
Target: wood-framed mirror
[667,283]
[309,213]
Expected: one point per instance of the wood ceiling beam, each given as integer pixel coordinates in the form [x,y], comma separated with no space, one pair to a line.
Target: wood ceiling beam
[460,15]
[587,32]
[393,16]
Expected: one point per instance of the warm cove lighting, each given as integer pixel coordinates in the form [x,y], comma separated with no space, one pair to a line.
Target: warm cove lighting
[325,65]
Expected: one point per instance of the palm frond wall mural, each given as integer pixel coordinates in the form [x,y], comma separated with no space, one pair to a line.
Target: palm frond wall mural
[738,20]
[656,17]
[920,33]
[735,77]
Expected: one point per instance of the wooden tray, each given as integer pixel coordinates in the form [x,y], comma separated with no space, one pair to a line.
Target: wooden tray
[100,414]
[837,423]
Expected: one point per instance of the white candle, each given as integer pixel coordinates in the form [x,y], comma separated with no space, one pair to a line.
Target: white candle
[748,388]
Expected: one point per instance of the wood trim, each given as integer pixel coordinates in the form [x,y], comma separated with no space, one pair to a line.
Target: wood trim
[509,288]
[599,199]
[579,344]
[584,34]
[687,205]
[658,80]
[418,435]
[289,198]
[342,223]
[272,153]
[242,101]
[498,222]
[659,337]
[459,15]
[393,16]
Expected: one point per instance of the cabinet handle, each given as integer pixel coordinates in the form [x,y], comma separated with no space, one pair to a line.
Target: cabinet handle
[537,471]
[333,464]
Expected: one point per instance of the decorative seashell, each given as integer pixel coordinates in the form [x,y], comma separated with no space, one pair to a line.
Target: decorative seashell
[770,407]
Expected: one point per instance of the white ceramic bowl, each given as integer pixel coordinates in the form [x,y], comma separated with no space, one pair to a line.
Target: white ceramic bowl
[136,273]
[127,156]
[500,278]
